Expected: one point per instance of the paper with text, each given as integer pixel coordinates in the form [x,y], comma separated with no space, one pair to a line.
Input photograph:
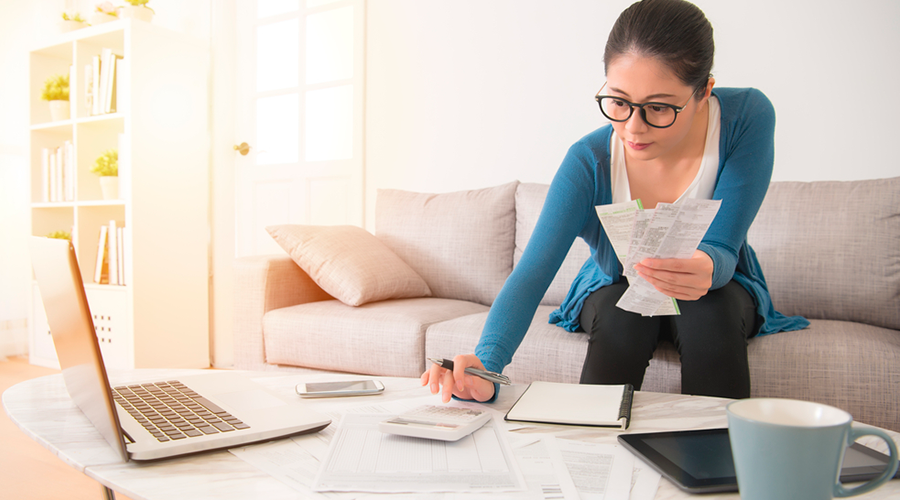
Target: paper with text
[599,471]
[667,232]
[361,458]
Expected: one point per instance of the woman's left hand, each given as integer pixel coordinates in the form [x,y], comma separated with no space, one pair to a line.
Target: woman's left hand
[683,279]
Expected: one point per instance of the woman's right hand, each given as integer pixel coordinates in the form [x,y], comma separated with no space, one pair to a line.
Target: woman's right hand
[457,382]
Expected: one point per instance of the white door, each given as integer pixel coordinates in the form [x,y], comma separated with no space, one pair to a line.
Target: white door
[300,89]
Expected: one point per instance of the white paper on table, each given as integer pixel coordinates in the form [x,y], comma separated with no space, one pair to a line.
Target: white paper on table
[295,461]
[287,462]
[361,458]
[546,476]
[599,471]
[644,481]
[545,472]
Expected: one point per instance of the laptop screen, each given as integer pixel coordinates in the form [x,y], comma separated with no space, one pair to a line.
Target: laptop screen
[62,292]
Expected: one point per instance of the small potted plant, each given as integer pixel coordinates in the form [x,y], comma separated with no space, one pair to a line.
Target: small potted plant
[104,13]
[71,22]
[107,167]
[56,92]
[137,9]
[60,235]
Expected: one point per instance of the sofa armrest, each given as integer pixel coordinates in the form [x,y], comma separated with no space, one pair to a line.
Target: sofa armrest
[263,283]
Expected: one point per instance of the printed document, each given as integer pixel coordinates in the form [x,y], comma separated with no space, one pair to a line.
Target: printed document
[361,458]
[599,471]
[667,232]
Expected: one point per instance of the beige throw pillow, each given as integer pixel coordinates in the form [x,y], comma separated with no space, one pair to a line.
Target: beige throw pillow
[460,243]
[349,263]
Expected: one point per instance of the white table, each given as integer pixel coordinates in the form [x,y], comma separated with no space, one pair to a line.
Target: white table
[43,410]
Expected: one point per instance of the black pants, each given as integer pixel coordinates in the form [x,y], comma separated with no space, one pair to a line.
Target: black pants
[710,335]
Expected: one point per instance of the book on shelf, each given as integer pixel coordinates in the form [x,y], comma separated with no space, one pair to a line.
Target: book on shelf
[69,170]
[109,268]
[113,252]
[58,173]
[114,63]
[45,174]
[101,266]
[103,82]
[120,248]
[95,85]
[89,88]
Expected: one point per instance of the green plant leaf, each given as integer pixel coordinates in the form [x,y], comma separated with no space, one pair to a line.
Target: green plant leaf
[107,164]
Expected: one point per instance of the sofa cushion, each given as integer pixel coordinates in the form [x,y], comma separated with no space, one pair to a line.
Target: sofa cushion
[849,365]
[829,250]
[379,338]
[529,202]
[461,243]
[349,263]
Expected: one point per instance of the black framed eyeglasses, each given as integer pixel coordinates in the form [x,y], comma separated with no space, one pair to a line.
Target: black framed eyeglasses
[655,114]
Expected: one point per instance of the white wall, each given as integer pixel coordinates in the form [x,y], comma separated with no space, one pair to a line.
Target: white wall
[469,94]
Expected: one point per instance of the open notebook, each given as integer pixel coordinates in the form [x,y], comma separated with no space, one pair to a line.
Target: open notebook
[160,418]
[574,404]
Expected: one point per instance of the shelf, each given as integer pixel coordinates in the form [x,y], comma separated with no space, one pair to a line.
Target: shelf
[61,125]
[101,203]
[160,129]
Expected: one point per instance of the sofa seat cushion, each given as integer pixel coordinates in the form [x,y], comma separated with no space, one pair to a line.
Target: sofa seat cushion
[844,364]
[382,338]
[849,365]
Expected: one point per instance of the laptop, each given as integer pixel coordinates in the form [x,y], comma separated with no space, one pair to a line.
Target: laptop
[153,419]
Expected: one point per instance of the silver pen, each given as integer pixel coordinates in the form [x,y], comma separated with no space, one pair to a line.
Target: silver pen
[489,376]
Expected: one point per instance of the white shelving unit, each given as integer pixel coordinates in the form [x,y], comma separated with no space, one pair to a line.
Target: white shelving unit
[160,317]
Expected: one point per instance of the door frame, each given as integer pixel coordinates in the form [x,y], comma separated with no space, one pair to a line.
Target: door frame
[223,47]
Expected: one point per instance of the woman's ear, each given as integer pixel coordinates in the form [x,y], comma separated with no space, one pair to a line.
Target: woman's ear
[709,86]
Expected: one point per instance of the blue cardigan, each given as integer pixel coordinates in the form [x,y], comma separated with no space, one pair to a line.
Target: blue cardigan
[746,156]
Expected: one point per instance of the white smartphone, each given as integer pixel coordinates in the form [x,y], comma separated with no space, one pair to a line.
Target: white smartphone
[342,388]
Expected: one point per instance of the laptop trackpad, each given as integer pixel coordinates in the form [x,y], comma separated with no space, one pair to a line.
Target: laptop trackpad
[250,400]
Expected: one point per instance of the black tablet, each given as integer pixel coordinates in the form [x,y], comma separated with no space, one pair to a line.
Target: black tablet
[699,461]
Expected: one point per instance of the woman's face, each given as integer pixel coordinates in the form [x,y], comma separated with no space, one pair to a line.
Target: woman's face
[641,79]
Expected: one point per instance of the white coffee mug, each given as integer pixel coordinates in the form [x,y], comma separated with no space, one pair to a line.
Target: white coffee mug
[793,450]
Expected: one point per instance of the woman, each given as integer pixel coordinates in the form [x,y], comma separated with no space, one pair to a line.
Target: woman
[671,137]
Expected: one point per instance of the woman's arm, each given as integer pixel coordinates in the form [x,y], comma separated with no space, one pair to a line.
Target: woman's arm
[567,208]
[748,152]
[569,204]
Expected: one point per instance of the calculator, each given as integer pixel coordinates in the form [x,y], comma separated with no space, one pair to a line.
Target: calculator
[444,423]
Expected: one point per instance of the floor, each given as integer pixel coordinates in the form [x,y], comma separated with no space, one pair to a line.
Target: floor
[27,469]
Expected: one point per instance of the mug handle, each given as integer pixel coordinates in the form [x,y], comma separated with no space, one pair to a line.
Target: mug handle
[854,434]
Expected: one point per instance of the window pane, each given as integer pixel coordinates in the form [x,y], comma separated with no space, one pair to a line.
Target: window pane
[329,124]
[329,45]
[266,8]
[278,129]
[277,55]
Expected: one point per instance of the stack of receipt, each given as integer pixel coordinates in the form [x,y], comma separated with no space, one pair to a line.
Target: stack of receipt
[670,231]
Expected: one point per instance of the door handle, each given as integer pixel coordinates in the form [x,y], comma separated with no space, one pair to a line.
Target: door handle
[243,148]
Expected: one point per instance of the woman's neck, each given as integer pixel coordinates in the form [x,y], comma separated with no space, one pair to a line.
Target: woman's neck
[664,179]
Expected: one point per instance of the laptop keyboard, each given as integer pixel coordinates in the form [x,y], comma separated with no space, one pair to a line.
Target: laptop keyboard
[170,410]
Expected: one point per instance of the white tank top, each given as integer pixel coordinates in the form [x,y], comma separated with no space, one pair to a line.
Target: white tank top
[703,184]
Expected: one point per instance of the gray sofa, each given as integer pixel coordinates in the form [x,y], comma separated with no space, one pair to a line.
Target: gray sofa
[830,252]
